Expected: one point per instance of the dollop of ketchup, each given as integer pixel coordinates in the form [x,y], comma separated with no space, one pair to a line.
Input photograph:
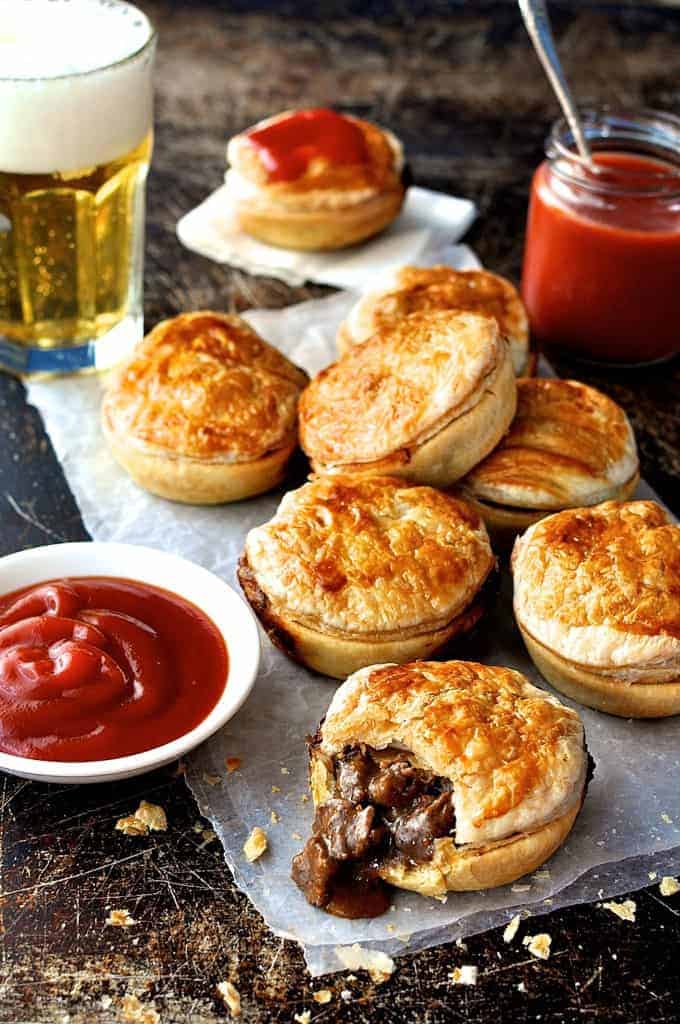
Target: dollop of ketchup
[93,668]
[288,146]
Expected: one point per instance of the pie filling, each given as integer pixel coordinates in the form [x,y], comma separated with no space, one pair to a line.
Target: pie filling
[382,810]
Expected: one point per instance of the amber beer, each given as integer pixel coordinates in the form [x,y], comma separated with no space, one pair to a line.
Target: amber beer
[75,146]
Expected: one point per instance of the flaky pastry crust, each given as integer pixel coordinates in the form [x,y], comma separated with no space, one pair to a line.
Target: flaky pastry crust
[425,398]
[568,446]
[429,289]
[204,410]
[330,206]
[599,590]
[350,567]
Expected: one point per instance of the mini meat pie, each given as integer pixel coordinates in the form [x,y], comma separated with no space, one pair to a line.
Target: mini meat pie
[204,411]
[315,179]
[352,569]
[568,445]
[430,289]
[426,398]
[437,776]
[597,600]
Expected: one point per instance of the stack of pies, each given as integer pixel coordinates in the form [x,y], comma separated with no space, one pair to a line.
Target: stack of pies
[430,776]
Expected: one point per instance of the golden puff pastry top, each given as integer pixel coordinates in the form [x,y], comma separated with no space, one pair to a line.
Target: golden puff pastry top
[205,386]
[601,586]
[370,556]
[324,184]
[427,289]
[400,388]
[568,445]
[514,754]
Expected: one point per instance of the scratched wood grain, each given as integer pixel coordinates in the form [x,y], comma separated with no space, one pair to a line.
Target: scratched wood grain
[460,86]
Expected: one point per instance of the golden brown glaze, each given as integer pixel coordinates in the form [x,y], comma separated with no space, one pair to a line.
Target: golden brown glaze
[205,386]
[614,565]
[369,557]
[568,445]
[399,388]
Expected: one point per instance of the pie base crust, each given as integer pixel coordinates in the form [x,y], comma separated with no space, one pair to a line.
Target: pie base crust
[604,693]
[338,656]
[504,524]
[199,481]
[319,230]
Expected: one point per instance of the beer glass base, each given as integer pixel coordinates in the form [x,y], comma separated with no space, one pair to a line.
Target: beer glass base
[97,354]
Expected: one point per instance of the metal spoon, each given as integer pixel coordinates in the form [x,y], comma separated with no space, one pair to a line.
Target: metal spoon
[537,24]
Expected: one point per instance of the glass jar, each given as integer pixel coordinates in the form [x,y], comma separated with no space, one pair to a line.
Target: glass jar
[601,274]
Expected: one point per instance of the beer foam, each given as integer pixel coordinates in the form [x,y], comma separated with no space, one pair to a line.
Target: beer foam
[75,83]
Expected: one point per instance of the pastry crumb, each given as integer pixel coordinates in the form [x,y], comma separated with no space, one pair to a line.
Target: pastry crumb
[542,876]
[666,818]
[211,779]
[208,836]
[521,987]
[256,844]
[652,875]
[462,945]
[285,771]
[379,965]
[230,996]
[625,910]
[345,995]
[296,836]
[147,818]
[538,945]
[465,975]
[276,789]
[303,1018]
[324,995]
[391,927]
[305,798]
[511,928]
[134,1012]
[520,888]
[120,919]
[274,818]
[232,764]
[669,886]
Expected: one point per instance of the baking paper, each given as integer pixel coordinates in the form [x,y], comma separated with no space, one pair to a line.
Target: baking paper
[630,823]
[428,220]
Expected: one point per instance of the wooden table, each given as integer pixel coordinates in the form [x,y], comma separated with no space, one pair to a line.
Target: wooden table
[461,87]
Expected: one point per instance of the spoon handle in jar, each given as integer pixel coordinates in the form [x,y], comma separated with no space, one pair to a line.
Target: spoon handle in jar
[537,23]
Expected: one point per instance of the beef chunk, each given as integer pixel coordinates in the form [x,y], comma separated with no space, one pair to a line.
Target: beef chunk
[428,818]
[352,772]
[396,785]
[348,830]
[313,871]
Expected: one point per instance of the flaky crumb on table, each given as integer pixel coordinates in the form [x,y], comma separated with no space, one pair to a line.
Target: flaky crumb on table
[669,886]
[464,975]
[625,910]
[147,818]
[135,1012]
[120,919]
[511,928]
[538,945]
[230,996]
[324,995]
[355,958]
[256,844]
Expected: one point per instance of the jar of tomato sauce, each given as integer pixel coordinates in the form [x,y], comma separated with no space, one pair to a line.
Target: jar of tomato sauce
[601,275]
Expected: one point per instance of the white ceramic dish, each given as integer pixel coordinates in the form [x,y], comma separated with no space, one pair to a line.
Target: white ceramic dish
[212,595]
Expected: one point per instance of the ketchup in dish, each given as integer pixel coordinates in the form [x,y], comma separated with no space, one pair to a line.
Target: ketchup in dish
[289,145]
[93,668]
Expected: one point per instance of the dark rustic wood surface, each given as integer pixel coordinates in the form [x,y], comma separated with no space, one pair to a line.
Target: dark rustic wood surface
[461,87]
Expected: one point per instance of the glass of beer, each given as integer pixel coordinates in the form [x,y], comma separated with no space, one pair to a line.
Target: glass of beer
[76,120]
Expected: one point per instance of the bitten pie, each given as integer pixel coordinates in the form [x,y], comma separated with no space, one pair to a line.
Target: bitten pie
[204,411]
[354,569]
[597,599]
[426,398]
[568,446]
[437,776]
[315,179]
[428,289]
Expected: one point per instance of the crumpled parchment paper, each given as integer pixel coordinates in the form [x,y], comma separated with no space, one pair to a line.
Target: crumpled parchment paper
[630,823]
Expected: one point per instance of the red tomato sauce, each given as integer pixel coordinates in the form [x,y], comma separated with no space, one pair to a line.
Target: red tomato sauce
[288,146]
[602,279]
[95,668]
